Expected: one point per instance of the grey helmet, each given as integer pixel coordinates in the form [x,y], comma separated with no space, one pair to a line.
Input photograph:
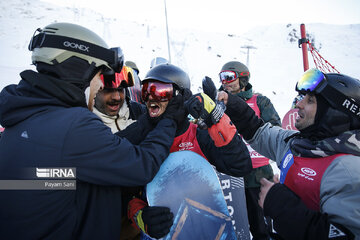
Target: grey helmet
[59,42]
[241,70]
[133,66]
[169,73]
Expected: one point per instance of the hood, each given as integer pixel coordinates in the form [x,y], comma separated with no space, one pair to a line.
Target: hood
[247,94]
[36,93]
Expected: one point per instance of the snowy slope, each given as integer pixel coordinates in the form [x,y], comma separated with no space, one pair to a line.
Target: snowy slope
[275,63]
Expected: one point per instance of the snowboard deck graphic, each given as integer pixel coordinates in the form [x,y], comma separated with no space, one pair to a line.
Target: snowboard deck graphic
[234,194]
[189,186]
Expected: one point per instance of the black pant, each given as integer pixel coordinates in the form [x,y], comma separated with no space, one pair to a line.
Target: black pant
[259,229]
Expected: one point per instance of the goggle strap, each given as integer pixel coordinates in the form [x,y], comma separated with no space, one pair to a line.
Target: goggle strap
[344,103]
[55,41]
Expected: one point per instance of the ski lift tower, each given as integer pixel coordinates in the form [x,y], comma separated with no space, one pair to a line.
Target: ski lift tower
[167,32]
[248,53]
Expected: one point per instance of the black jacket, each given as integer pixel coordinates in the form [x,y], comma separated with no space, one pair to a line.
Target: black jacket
[47,125]
[232,159]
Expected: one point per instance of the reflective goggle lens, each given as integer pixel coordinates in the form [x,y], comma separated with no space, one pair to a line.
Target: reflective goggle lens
[123,79]
[159,91]
[227,76]
[310,80]
[297,99]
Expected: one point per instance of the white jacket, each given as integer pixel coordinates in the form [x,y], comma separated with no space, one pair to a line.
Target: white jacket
[118,122]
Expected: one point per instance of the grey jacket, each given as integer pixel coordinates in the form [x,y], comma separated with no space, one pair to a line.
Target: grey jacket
[340,184]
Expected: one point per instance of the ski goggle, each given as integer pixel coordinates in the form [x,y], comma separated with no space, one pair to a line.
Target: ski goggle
[115,80]
[114,57]
[312,80]
[230,76]
[160,92]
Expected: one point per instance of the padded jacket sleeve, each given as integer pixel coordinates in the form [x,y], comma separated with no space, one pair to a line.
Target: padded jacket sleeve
[232,159]
[137,131]
[293,220]
[242,116]
[103,158]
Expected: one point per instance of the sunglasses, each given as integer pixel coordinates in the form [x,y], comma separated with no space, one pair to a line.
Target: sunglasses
[113,56]
[116,80]
[160,92]
[314,81]
[230,76]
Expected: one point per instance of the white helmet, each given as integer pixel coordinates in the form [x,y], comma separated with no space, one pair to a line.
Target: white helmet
[58,42]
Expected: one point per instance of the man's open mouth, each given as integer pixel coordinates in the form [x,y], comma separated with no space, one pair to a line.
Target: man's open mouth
[113,106]
[154,109]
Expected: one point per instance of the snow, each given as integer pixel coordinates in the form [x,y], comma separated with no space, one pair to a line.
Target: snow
[275,63]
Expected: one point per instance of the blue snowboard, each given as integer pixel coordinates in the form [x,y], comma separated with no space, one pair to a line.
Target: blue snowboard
[188,185]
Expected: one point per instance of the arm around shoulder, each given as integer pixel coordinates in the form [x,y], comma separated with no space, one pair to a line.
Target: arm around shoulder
[106,159]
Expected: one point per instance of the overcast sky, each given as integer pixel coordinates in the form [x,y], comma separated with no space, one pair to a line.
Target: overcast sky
[233,16]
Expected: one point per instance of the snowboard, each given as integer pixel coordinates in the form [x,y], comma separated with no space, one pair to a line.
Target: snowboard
[234,193]
[189,186]
[289,119]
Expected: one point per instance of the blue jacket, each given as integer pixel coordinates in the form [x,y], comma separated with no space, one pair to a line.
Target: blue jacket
[48,125]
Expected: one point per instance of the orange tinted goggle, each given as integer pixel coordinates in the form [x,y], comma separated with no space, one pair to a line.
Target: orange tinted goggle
[123,79]
[159,91]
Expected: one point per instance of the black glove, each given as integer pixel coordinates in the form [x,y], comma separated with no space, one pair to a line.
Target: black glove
[175,110]
[205,110]
[209,87]
[186,93]
[155,221]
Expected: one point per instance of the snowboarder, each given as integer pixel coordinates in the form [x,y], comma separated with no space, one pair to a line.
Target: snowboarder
[113,104]
[319,191]
[219,143]
[48,125]
[235,77]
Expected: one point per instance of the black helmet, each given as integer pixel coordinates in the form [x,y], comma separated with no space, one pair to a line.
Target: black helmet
[337,116]
[169,73]
[348,86]
[241,70]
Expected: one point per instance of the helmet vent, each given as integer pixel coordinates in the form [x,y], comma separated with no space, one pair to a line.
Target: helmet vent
[342,83]
[52,28]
